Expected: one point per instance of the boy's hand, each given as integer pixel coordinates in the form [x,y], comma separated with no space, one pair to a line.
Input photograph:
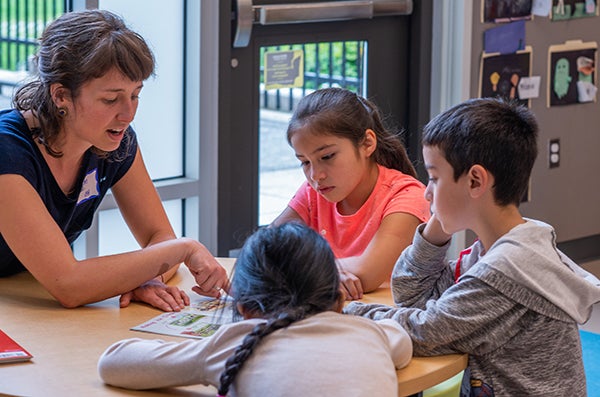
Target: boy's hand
[434,233]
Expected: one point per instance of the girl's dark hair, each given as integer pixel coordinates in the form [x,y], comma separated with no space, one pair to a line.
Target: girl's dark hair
[74,49]
[283,273]
[339,112]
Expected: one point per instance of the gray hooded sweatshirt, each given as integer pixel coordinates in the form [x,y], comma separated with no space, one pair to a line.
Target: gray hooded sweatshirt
[514,310]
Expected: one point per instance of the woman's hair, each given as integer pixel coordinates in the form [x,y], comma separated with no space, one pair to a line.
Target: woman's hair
[342,113]
[283,273]
[74,49]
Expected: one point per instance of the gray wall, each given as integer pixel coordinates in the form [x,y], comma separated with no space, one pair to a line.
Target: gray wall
[568,197]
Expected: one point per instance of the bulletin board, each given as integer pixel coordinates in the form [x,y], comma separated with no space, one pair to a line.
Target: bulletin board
[500,74]
[571,9]
[560,195]
[505,10]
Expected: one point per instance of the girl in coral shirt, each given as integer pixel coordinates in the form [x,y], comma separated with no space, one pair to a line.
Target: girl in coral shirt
[361,191]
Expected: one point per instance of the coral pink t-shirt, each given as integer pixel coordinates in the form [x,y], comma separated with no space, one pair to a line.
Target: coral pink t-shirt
[349,235]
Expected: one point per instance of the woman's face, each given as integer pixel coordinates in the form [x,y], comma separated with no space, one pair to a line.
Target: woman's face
[102,111]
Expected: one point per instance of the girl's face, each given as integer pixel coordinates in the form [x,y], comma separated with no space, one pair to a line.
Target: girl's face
[101,112]
[335,168]
[449,198]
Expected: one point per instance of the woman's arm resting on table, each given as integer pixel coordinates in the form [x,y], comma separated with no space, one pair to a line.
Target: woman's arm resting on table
[375,265]
[40,245]
[148,222]
[150,225]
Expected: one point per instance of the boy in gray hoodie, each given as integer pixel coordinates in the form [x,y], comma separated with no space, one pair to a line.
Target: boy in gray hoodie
[512,300]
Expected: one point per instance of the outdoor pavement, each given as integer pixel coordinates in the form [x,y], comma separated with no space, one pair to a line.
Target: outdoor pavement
[280,174]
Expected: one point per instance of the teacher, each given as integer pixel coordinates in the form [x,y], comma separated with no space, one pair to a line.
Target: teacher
[67,141]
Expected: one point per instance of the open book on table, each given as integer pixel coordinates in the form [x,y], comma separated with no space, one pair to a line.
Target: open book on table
[200,319]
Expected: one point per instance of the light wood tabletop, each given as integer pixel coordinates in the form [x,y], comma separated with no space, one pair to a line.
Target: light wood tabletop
[422,372]
[66,343]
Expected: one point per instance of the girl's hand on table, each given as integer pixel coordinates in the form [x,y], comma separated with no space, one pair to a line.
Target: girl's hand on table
[157,294]
[350,285]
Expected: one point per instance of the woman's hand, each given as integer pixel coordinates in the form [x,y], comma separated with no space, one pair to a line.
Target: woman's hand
[210,276]
[157,294]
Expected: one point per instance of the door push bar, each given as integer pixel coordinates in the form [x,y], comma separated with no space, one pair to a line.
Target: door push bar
[248,14]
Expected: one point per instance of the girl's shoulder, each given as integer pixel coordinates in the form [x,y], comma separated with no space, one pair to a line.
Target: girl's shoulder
[356,323]
[397,179]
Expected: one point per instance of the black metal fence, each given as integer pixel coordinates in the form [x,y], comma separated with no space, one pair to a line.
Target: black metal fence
[327,64]
[21,24]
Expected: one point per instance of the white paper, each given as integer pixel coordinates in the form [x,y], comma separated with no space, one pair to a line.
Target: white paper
[586,92]
[529,87]
[202,318]
[541,7]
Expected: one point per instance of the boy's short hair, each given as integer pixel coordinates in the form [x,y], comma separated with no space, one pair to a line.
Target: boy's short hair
[498,134]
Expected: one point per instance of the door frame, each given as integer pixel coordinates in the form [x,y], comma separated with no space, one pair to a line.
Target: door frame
[237,148]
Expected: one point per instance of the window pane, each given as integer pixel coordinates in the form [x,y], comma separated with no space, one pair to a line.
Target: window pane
[115,237]
[159,119]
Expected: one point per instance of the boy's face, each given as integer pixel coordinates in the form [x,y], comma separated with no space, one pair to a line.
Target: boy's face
[449,198]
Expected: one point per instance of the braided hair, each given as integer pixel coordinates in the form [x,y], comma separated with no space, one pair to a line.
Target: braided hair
[342,113]
[283,273]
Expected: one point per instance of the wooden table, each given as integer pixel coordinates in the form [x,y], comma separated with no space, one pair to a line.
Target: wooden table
[66,343]
[422,372]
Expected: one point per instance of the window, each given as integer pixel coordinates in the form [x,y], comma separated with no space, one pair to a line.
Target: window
[161,124]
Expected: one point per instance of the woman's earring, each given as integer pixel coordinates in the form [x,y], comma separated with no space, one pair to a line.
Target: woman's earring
[62,112]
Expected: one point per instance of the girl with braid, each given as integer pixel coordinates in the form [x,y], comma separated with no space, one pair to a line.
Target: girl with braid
[361,191]
[293,340]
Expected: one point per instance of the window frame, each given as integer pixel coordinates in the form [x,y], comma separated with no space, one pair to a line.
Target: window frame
[198,187]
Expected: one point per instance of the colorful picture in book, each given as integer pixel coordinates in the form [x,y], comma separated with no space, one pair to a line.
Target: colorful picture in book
[505,10]
[569,9]
[500,74]
[572,74]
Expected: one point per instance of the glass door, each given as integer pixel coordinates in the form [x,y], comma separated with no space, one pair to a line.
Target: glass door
[287,73]
[286,51]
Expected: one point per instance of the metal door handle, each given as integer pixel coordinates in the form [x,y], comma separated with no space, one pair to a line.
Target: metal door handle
[314,12]
[248,14]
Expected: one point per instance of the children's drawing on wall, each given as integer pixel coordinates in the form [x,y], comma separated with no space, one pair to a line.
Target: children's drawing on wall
[569,9]
[505,10]
[572,73]
[500,74]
